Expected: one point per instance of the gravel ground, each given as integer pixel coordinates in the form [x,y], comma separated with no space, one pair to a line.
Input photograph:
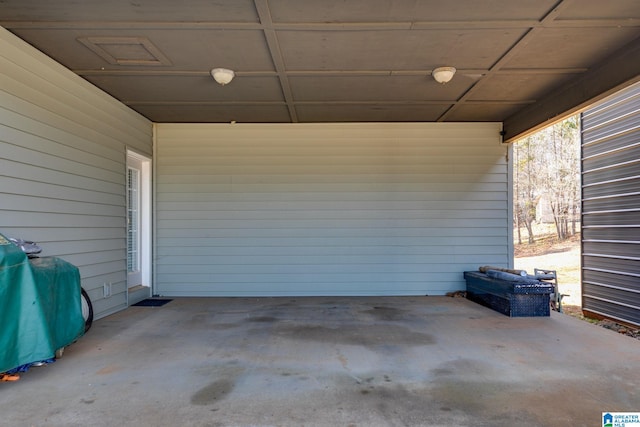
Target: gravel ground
[566,262]
[630,331]
[565,258]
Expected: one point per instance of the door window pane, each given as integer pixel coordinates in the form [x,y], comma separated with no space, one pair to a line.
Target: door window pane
[133,219]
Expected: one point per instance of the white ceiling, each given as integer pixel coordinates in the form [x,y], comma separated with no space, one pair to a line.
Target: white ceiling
[519,62]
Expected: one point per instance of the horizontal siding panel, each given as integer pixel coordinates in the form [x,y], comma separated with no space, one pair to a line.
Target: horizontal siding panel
[107,306]
[41,233]
[191,176]
[107,159]
[294,269]
[336,161]
[610,263]
[617,157]
[32,119]
[305,135]
[612,295]
[63,249]
[340,209]
[383,211]
[329,169]
[204,236]
[59,220]
[209,192]
[320,224]
[10,185]
[629,169]
[330,214]
[291,164]
[613,220]
[172,201]
[40,175]
[629,234]
[200,193]
[608,279]
[616,203]
[96,281]
[48,162]
[612,108]
[98,257]
[436,236]
[613,249]
[178,247]
[261,280]
[15,202]
[459,133]
[612,144]
[355,173]
[103,269]
[613,188]
[611,311]
[345,152]
[298,274]
[63,146]
[72,100]
[611,207]
[298,263]
[328,205]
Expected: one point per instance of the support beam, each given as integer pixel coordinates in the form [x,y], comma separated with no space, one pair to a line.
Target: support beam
[620,70]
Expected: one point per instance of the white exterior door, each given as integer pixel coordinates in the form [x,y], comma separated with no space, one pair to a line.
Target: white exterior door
[138,220]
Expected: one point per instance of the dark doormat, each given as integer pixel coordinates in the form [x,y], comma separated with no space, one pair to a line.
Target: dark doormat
[152,302]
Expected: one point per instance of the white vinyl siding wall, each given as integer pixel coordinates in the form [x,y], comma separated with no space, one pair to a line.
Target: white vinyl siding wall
[62,167]
[328,209]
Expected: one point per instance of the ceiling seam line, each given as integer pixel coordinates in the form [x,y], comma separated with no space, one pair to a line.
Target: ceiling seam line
[520,43]
[321,26]
[264,14]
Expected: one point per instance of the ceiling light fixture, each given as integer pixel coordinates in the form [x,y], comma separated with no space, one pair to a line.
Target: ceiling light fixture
[443,74]
[222,75]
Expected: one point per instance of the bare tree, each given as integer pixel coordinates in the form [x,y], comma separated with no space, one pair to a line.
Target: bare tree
[525,186]
[547,165]
[562,171]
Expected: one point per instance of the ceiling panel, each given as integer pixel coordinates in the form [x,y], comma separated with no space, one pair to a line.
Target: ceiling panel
[201,88]
[394,50]
[194,49]
[518,86]
[597,9]
[484,111]
[521,62]
[369,113]
[74,11]
[292,11]
[570,47]
[376,88]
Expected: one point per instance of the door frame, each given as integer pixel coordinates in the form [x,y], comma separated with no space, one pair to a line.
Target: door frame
[143,163]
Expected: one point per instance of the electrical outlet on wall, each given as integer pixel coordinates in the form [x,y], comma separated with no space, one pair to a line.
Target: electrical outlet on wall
[106,290]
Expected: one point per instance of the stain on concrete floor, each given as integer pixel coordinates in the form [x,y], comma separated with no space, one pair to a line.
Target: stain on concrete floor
[368,335]
[334,361]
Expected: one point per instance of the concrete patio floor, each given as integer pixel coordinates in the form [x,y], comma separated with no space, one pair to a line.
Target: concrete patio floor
[331,361]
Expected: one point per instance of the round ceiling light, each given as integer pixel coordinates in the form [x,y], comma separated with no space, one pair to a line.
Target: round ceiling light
[443,74]
[222,75]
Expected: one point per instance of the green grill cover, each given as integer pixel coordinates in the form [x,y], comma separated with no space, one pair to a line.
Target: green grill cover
[40,308]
